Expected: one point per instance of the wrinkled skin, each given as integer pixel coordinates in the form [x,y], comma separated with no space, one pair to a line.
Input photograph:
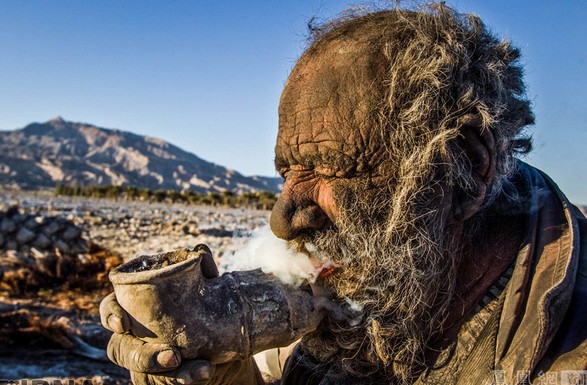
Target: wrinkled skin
[325,140]
[330,151]
[339,182]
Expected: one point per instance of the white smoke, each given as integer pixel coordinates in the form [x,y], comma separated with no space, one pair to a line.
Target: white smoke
[273,256]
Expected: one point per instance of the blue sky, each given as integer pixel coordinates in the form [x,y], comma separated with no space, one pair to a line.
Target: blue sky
[207,75]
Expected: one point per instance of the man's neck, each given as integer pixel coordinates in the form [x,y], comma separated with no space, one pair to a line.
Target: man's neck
[486,256]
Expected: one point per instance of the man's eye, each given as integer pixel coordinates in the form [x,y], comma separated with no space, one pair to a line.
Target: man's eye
[284,172]
[297,171]
[326,171]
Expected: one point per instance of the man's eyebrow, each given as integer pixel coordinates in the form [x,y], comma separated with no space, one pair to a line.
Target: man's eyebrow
[309,161]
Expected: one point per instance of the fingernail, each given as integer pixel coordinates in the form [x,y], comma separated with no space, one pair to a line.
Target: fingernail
[115,323]
[167,359]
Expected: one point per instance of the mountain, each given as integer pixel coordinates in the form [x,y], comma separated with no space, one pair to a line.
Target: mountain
[42,155]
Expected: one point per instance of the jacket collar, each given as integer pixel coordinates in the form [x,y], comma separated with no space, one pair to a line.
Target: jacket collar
[540,290]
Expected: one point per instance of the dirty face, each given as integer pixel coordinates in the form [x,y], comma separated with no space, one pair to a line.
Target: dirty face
[327,140]
[343,195]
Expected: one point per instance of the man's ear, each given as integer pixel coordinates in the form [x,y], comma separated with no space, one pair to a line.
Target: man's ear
[478,146]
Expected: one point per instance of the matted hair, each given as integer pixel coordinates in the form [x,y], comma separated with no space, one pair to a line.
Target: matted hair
[441,66]
[428,69]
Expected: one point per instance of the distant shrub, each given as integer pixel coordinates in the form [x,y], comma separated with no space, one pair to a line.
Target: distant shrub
[261,200]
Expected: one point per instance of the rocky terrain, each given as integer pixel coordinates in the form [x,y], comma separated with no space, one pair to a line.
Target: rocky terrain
[129,228]
[55,254]
[43,155]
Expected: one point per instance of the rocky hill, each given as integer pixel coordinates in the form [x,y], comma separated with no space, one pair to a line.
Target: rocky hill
[42,155]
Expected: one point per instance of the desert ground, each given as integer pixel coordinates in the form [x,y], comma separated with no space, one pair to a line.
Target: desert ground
[55,253]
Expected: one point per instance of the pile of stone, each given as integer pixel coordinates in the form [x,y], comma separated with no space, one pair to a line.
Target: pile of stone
[43,251]
[133,227]
[26,232]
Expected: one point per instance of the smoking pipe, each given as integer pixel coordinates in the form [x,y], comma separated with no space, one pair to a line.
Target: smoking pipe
[218,318]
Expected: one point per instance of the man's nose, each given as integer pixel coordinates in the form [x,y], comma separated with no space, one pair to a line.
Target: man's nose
[290,218]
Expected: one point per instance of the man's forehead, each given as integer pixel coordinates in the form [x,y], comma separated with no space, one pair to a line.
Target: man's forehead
[328,103]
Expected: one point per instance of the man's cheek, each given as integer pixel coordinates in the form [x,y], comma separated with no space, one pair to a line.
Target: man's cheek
[327,201]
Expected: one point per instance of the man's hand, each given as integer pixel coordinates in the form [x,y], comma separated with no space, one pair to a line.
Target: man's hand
[148,363]
[161,364]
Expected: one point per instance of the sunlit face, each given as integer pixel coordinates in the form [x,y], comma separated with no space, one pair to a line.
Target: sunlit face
[342,194]
[326,141]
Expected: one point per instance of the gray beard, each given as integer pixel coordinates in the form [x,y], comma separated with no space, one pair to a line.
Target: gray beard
[403,273]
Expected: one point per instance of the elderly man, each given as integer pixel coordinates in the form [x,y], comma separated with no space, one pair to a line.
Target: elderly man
[397,138]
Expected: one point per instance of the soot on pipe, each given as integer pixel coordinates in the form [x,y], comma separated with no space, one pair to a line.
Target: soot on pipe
[178,298]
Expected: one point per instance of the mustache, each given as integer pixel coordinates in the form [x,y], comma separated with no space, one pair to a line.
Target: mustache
[403,283]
